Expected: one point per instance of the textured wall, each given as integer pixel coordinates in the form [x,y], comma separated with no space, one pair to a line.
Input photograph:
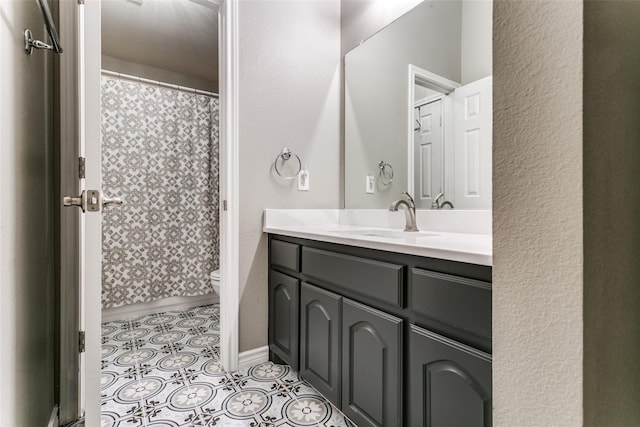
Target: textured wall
[537,214]
[611,212]
[27,284]
[289,96]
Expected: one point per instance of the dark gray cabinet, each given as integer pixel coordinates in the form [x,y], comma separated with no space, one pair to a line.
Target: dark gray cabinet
[371,278]
[284,319]
[462,303]
[371,366]
[320,345]
[391,339]
[450,383]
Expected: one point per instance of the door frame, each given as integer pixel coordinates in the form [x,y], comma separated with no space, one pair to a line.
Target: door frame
[446,87]
[76,110]
[229,184]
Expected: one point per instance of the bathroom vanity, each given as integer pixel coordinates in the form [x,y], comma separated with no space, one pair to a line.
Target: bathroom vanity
[391,338]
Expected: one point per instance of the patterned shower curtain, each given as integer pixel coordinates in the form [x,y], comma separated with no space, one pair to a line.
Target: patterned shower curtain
[160,155]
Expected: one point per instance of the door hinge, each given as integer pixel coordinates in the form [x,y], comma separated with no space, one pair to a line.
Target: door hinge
[82,167]
[81,341]
[224,205]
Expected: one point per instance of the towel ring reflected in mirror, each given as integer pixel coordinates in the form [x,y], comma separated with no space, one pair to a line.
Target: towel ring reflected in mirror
[283,156]
[385,173]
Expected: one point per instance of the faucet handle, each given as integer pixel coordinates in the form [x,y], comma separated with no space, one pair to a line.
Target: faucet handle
[406,193]
[436,201]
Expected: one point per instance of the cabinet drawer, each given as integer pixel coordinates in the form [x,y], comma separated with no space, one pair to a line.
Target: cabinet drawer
[376,279]
[286,255]
[456,301]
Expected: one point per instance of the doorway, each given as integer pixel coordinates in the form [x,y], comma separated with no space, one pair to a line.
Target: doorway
[80,95]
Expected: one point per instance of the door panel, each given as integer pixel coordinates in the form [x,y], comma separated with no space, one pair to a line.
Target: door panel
[371,366]
[428,153]
[90,64]
[283,317]
[70,219]
[450,383]
[472,148]
[320,340]
[81,233]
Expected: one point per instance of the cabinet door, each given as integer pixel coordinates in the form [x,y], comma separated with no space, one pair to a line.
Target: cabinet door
[450,382]
[320,340]
[283,317]
[371,366]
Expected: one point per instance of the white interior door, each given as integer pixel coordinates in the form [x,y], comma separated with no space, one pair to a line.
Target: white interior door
[90,64]
[473,135]
[428,153]
[81,232]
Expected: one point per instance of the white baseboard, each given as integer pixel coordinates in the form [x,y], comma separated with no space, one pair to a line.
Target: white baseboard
[53,419]
[253,357]
[165,304]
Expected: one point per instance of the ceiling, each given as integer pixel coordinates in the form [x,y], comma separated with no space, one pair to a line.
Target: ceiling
[175,35]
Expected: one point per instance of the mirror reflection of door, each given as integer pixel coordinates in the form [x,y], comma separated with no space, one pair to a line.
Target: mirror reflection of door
[428,152]
[473,119]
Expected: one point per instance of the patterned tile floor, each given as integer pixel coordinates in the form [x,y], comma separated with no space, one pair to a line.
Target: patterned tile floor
[163,370]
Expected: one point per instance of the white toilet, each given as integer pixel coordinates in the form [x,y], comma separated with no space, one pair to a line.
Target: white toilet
[215,281]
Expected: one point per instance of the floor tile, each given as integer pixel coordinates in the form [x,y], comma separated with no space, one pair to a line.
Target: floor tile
[164,370]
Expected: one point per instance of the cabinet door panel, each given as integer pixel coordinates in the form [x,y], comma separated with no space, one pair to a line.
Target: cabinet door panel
[450,382]
[283,317]
[371,366]
[320,340]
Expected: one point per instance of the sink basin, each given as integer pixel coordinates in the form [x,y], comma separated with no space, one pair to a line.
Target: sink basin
[388,234]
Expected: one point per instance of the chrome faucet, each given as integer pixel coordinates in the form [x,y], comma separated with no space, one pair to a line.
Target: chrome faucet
[437,204]
[409,210]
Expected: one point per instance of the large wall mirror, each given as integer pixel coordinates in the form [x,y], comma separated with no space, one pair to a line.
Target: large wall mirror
[418,99]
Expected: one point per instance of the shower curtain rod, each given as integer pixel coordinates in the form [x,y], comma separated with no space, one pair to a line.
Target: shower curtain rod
[158,83]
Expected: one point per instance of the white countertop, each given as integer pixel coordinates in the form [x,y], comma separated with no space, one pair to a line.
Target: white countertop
[339,226]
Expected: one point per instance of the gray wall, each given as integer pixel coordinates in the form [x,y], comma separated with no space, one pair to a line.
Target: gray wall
[537,214]
[611,211]
[27,285]
[289,96]
[360,19]
[476,41]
